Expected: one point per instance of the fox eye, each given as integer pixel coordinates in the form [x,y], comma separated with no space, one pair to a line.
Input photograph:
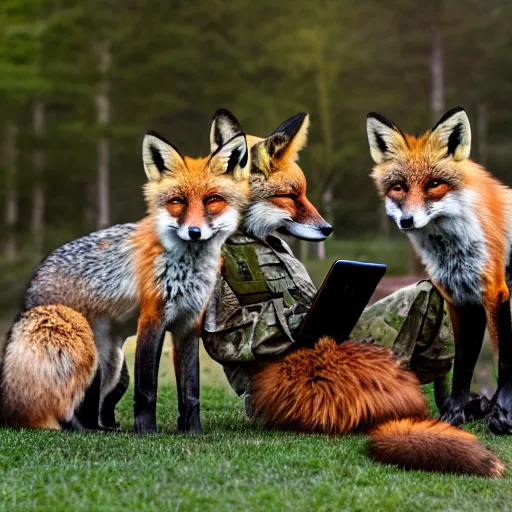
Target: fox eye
[434,184]
[290,195]
[215,198]
[397,187]
[176,200]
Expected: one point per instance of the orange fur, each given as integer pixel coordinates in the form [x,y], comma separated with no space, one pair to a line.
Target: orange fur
[283,176]
[339,389]
[147,248]
[431,445]
[335,389]
[49,361]
[422,159]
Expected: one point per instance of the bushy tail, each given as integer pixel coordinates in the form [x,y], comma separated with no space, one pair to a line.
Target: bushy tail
[49,361]
[337,389]
[431,445]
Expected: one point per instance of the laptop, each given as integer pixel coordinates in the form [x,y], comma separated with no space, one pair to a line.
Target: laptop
[340,301]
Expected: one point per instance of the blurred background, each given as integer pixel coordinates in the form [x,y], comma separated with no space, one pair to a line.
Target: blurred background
[80,82]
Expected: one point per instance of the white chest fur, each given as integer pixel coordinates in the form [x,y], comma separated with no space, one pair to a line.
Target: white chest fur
[186,277]
[454,252]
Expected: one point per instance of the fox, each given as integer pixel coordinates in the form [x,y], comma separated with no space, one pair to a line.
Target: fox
[278,187]
[342,388]
[277,202]
[164,266]
[458,218]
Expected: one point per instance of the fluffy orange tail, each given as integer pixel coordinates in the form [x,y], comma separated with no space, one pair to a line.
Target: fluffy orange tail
[432,445]
[337,389]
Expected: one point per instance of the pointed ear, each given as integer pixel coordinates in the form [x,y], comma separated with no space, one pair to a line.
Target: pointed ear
[384,137]
[160,157]
[224,127]
[452,134]
[284,142]
[232,158]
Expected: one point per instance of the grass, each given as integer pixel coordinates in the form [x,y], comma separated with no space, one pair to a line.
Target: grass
[234,466]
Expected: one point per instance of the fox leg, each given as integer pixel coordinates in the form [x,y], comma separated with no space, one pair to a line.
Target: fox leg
[500,330]
[87,413]
[468,323]
[105,378]
[120,376]
[186,367]
[150,338]
[108,405]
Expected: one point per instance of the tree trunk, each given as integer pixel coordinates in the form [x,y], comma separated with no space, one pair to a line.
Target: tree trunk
[482,130]
[38,198]
[437,72]
[323,88]
[384,223]
[11,200]
[303,251]
[103,116]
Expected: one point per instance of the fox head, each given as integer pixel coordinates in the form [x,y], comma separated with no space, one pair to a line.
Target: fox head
[278,199]
[420,178]
[196,200]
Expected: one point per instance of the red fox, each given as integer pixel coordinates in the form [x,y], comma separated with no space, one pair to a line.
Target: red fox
[342,388]
[277,201]
[166,264]
[278,186]
[458,218]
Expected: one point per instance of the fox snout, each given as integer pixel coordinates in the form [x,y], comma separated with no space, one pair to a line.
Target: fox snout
[406,222]
[194,233]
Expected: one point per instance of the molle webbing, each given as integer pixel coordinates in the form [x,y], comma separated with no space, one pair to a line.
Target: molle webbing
[244,275]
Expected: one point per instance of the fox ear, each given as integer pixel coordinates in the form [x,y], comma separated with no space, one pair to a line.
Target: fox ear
[284,142]
[225,126]
[384,137]
[160,157]
[453,133]
[228,144]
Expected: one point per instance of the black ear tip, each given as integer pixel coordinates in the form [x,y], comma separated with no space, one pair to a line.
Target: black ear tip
[152,133]
[292,125]
[224,112]
[448,114]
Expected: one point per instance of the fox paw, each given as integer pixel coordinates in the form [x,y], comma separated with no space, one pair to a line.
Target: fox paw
[452,412]
[500,421]
[478,407]
[190,428]
[145,423]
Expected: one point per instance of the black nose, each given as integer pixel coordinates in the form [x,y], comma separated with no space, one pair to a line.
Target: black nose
[194,233]
[406,222]
[326,229]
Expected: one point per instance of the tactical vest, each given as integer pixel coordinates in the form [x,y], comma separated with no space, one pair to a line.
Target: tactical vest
[261,297]
[264,292]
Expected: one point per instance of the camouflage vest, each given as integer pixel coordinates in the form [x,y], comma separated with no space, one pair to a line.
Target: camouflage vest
[264,292]
[261,297]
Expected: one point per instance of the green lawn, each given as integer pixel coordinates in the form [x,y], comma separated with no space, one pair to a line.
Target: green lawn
[394,253]
[234,466]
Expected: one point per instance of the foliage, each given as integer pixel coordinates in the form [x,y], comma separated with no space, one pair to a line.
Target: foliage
[175,63]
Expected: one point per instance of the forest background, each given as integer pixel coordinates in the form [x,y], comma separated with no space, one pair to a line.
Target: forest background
[80,83]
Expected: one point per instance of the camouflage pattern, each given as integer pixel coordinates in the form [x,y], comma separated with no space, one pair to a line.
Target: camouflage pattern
[260,299]
[264,292]
[415,324]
